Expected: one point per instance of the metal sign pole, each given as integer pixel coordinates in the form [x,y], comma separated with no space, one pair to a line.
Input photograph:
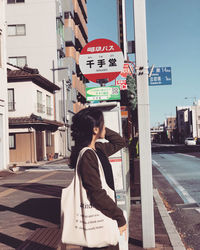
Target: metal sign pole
[148,229]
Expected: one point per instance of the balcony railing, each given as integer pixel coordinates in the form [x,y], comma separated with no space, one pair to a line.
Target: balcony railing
[11,106]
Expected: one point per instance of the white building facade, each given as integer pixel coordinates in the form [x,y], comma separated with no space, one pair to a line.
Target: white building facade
[4,148]
[31,111]
[35,38]
[196,119]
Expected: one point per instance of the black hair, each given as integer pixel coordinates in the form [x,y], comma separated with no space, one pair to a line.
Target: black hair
[82,127]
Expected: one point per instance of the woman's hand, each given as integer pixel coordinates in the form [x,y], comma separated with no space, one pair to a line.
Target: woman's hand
[122,230]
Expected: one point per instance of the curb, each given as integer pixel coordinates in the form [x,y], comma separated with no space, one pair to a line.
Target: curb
[174,236]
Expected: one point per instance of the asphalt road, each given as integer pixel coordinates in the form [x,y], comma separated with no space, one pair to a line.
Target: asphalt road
[177,176]
[183,173]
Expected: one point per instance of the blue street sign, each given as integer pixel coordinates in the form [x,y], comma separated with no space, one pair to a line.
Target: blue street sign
[160,76]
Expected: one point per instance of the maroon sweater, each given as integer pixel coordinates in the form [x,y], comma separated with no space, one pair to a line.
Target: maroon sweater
[89,172]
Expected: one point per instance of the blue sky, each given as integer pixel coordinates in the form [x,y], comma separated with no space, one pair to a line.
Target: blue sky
[173,39]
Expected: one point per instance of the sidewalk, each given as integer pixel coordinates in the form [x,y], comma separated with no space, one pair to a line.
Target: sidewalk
[29,213]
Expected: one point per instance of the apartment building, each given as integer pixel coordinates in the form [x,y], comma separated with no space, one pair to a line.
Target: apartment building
[184,128]
[49,35]
[195,119]
[188,121]
[4,153]
[170,127]
[31,114]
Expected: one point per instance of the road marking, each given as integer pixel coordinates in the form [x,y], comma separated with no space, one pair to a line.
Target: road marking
[155,163]
[186,197]
[12,190]
[186,155]
[174,236]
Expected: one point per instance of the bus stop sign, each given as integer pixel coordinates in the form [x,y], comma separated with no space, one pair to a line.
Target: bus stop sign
[101,60]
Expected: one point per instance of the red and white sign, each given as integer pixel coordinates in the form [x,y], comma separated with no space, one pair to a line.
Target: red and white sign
[126,70]
[122,84]
[121,79]
[101,59]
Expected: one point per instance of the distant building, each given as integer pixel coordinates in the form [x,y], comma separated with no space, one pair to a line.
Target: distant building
[170,127]
[31,112]
[157,133]
[4,152]
[49,35]
[188,121]
[195,120]
[184,123]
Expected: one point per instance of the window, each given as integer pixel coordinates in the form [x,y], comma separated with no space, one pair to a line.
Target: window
[68,15]
[15,1]
[39,102]
[48,105]
[11,100]
[12,141]
[19,61]
[60,27]
[17,30]
[48,139]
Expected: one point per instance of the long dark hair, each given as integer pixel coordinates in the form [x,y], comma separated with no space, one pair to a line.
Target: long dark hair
[82,127]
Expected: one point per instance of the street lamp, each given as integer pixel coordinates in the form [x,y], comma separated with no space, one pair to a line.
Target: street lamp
[194,97]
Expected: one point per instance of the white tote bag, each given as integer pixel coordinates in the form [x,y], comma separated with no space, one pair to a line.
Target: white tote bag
[81,223]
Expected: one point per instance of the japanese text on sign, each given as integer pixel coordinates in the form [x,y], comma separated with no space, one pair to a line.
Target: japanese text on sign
[102,62]
[101,49]
[161,76]
[122,84]
[103,93]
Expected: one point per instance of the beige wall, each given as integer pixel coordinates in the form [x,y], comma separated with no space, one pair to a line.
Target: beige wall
[25,150]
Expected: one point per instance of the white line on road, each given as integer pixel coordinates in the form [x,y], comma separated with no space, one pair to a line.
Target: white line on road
[186,155]
[186,197]
[174,237]
[155,163]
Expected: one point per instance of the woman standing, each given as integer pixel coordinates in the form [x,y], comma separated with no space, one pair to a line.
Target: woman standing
[88,126]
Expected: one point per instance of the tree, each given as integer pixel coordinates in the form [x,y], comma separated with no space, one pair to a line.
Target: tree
[132,91]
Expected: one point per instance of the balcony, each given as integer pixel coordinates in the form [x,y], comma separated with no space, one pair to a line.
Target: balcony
[80,20]
[78,84]
[70,52]
[69,36]
[83,7]
[80,41]
[68,6]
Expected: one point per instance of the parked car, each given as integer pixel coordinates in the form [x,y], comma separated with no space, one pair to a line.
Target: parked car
[190,141]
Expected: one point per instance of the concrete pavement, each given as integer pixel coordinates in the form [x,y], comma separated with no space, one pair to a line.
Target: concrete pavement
[30,207]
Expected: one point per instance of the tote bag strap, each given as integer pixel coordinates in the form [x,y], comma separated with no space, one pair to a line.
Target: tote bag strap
[102,175]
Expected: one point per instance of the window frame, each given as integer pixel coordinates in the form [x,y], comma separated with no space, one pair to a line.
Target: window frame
[18,57]
[13,101]
[48,105]
[16,26]
[16,1]
[40,106]
[14,136]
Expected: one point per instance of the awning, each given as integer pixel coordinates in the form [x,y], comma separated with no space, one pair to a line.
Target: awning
[34,121]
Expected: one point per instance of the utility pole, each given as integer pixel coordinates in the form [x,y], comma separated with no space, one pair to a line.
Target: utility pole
[148,230]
